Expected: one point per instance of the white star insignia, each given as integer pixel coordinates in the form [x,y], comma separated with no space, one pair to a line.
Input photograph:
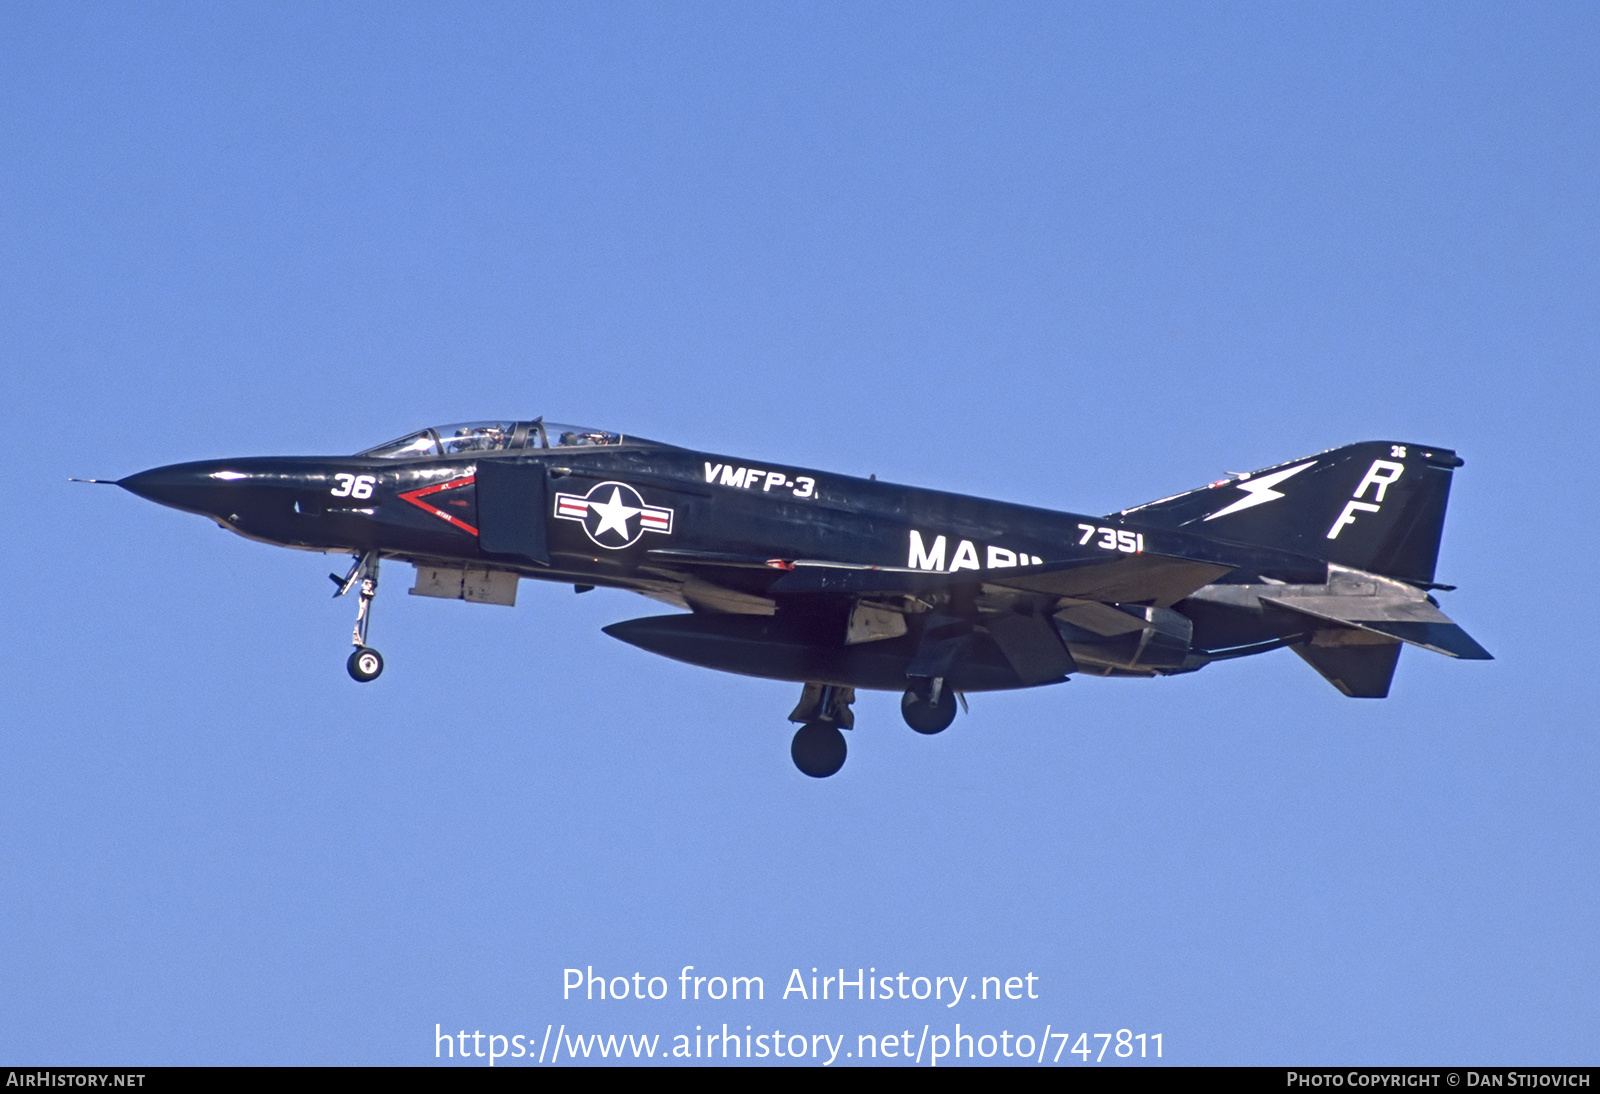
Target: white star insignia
[613,514]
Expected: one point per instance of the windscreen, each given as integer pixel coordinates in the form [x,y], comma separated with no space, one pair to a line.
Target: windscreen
[447,440]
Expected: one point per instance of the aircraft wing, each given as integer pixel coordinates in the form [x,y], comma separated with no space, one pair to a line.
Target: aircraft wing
[1158,580]
[1146,578]
[1085,591]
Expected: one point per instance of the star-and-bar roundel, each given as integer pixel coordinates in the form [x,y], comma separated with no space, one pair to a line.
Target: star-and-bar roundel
[614,515]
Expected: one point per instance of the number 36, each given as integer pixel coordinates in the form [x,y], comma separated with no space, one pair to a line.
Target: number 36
[354,486]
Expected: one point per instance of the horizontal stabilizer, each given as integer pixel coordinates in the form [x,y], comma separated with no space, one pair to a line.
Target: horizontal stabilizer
[1415,621]
[1446,638]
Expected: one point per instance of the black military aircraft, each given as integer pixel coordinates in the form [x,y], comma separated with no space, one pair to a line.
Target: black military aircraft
[839,583]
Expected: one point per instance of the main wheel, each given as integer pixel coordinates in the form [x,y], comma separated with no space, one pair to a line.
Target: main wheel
[924,715]
[818,749]
[365,664]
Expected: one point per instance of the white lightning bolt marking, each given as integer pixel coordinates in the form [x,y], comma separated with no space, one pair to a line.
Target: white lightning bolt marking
[1259,491]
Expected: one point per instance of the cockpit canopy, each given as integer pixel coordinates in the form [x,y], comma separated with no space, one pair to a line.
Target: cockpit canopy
[468,437]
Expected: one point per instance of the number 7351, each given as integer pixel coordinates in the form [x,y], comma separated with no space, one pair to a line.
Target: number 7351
[1113,539]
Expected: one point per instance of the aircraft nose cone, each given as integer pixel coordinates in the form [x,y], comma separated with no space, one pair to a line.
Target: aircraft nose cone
[193,487]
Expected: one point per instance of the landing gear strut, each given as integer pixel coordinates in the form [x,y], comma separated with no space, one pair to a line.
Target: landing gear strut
[365,663]
[818,748]
[929,705]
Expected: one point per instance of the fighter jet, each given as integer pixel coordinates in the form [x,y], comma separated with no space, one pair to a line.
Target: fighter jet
[839,583]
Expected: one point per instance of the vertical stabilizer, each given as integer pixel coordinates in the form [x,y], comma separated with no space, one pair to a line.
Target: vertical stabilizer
[1377,506]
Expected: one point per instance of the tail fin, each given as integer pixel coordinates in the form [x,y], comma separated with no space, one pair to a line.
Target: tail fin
[1375,506]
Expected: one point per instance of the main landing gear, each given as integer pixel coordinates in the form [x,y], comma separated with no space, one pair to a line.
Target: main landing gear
[818,748]
[365,663]
[929,706]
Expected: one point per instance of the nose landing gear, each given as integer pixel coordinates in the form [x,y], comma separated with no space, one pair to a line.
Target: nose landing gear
[366,663]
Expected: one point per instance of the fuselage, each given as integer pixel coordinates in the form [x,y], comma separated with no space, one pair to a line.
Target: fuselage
[839,582]
[721,535]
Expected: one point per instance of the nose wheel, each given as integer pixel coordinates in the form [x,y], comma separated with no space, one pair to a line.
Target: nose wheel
[365,663]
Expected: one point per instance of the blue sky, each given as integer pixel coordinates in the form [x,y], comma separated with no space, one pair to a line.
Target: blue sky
[1078,256]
